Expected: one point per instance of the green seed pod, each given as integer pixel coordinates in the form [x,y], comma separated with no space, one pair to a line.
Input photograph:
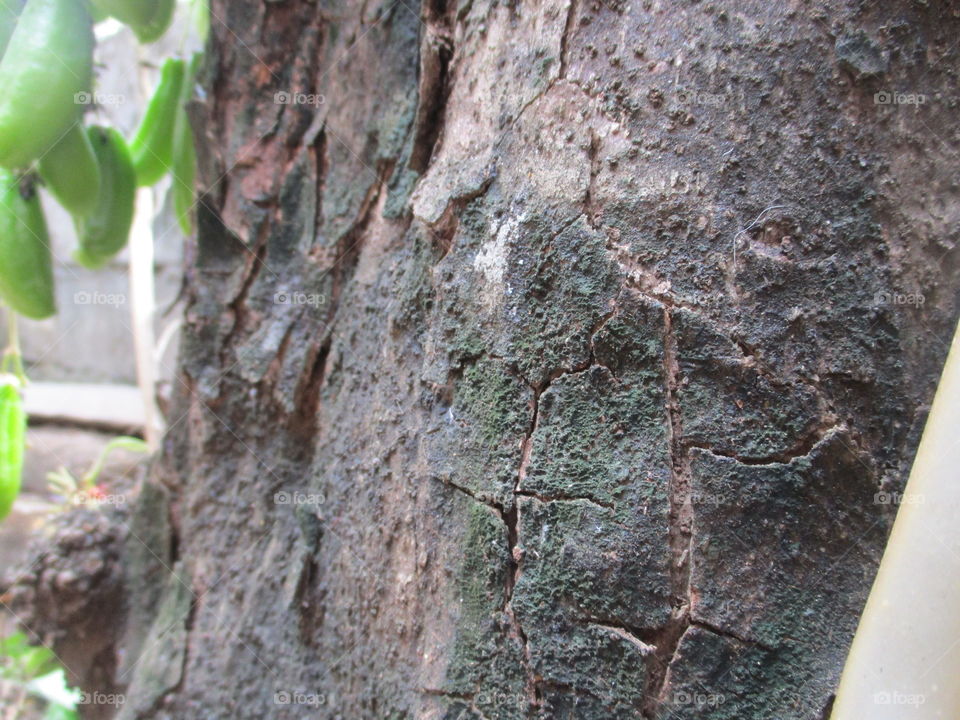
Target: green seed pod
[26,265]
[152,143]
[149,19]
[13,427]
[71,173]
[184,154]
[104,232]
[159,22]
[48,62]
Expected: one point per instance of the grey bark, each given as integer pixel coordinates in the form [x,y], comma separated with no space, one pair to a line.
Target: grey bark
[601,329]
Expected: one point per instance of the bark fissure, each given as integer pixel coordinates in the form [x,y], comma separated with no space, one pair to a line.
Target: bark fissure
[351,241]
[237,306]
[565,37]
[728,634]
[511,515]
[303,421]
[512,519]
[642,637]
[447,693]
[436,54]
[492,504]
[667,640]
[444,228]
[802,448]
[321,163]
[592,152]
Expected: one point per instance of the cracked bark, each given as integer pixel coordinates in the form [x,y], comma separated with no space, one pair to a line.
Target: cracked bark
[500,204]
[668,638]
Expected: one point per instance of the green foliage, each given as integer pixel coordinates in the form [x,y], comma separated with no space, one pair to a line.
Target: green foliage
[46,72]
[36,675]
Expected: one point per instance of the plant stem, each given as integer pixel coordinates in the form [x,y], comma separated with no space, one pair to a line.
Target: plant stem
[12,355]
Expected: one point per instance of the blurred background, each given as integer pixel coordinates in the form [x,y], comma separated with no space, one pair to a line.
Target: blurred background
[87,381]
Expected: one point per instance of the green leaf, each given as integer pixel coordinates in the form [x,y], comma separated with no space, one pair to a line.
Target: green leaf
[55,711]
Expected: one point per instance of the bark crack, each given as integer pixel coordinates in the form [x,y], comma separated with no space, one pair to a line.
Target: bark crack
[512,520]
[256,260]
[592,152]
[493,504]
[436,54]
[444,228]
[565,38]
[668,637]
[728,634]
[804,446]
[319,148]
[642,638]
[511,515]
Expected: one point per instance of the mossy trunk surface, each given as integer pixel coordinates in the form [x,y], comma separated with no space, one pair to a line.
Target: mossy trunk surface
[545,360]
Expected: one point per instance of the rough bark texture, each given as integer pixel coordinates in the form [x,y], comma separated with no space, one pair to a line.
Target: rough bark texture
[603,348]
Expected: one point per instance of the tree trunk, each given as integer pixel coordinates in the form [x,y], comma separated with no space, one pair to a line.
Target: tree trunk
[554,360]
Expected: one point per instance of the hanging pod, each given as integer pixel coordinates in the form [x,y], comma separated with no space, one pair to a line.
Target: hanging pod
[152,143]
[70,172]
[104,232]
[48,63]
[13,427]
[149,19]
[184,153]
[26,265]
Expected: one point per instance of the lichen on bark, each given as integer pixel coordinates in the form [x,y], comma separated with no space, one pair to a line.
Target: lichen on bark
[602,371]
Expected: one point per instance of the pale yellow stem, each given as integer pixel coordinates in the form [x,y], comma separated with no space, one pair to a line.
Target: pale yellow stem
[905,658]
